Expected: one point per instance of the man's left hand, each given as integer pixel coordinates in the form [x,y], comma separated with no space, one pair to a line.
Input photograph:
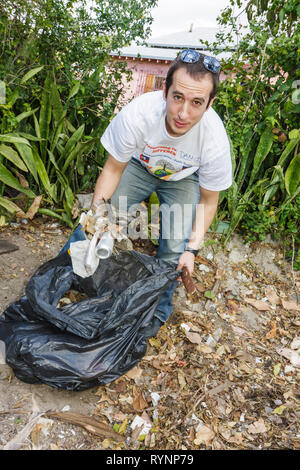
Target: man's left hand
[186,260]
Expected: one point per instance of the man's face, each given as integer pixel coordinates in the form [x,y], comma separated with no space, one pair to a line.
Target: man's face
[187,101]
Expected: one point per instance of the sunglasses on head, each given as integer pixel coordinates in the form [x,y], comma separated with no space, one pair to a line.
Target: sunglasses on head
[190,56]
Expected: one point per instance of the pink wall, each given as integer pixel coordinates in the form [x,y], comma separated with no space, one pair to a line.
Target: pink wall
[140,69]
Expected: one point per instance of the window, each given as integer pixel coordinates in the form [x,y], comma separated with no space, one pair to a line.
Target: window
[153,82]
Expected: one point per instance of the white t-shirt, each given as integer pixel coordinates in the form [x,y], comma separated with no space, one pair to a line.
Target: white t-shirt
[139,131]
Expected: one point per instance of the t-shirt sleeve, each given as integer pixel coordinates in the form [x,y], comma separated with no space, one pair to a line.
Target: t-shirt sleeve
[215,173]
[121,136]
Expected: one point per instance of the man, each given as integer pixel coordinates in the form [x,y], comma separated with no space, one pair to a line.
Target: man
[173,143]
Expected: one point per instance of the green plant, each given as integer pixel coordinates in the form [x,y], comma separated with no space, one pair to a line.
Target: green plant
[51,151]
[282,223]
[258,105]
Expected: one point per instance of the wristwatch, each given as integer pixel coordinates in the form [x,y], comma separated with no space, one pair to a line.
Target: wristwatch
[195,252]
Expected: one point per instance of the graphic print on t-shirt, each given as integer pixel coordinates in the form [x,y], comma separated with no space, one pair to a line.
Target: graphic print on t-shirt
[161,161]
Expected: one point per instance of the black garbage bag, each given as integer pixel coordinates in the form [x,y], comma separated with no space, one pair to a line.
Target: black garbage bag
[90,342]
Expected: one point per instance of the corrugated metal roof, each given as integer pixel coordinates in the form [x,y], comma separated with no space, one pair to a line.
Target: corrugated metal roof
[168,46]
[186,39]
[156,53]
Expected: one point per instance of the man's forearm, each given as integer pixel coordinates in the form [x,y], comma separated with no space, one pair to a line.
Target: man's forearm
[108,179]
[205,213]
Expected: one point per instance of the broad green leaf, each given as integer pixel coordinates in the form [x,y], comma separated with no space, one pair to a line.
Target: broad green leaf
[57,133]
[80,165]
[37,127]
[290,146]
[43,173]
[8,205]
[70,126]
[13,156]
[26,154]
[26,114]
[263,148]
[29,137]
[73,140]
[241,208]
[69,197]
[58,110]
[12,139]
[45,115]
[276,176]
[292,175]
[8,178]
[79,150]
[30,74]
[64,217]
[74,90]
[13,97]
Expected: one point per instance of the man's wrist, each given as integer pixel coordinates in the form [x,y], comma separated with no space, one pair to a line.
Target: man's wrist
[192,250]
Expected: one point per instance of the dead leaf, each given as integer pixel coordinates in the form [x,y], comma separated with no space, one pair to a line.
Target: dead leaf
[33,208]
[279,410]
[193,337]
[54,447]
[288,305]
[35,433]
[233,305]
[75,209]
[258,304]
[155,343]
[200,287]
[123,426]
[276,369]
[181,379]
[23,181]
[139,403]
[220,273]
[204,435]
[257,427]
[273,332]
[272,297]
[134,373]
[204,348]
[104,397]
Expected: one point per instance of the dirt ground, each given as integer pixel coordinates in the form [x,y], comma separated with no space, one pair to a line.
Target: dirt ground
[222,373]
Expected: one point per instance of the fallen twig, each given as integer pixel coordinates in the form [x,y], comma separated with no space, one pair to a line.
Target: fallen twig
[89,423]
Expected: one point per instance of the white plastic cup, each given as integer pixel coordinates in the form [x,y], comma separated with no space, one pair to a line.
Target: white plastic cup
[105,246]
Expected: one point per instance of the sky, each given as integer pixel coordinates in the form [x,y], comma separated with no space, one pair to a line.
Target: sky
[172,16]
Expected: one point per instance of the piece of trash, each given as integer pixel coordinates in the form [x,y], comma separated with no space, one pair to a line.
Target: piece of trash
[185,326]
[155,398]
[105,246]
[142,423]
[66,408]
[202,267]
[210,256]
[295,344]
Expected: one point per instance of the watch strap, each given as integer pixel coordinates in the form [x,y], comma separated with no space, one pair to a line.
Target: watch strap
[191,250]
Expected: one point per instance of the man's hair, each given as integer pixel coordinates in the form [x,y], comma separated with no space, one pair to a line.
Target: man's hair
[196,70]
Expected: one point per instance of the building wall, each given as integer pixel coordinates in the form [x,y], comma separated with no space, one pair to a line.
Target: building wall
[147,75]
